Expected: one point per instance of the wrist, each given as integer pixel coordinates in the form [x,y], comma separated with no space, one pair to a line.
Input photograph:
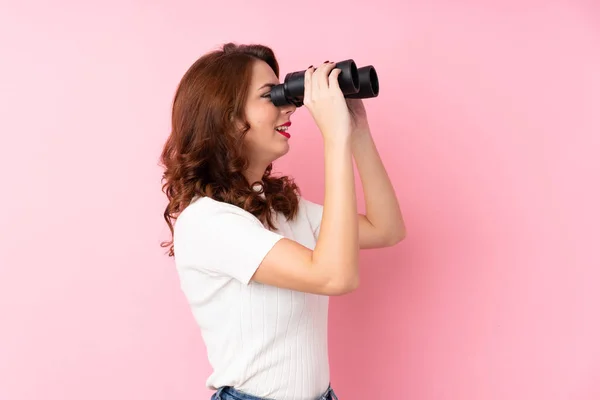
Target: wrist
[337,141]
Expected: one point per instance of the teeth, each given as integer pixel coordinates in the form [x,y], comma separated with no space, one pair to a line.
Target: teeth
[281,128]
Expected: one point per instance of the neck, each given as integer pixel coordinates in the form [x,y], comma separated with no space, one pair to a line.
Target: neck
[255,174]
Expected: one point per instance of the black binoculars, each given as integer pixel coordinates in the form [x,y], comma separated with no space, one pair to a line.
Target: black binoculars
[355,83]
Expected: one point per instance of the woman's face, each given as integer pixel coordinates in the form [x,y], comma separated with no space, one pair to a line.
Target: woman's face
[264,142]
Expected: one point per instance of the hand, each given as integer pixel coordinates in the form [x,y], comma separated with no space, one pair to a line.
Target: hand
[326,103]
[358,113]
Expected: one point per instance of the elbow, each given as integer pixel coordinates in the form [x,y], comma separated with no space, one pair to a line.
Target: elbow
[396,236]
[341,287]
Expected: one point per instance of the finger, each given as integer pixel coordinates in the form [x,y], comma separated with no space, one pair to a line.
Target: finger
[308,74]
[316,81]
[323,72]
[334,79]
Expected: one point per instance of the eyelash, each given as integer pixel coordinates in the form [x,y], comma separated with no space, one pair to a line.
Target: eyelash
[266,95]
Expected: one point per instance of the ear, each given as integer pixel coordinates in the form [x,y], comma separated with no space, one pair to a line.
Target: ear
[236,125]
[237,122]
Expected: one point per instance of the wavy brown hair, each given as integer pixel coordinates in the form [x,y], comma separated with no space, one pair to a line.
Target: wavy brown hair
[204,154]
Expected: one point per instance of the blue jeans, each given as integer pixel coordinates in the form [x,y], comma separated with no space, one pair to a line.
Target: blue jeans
[229,393]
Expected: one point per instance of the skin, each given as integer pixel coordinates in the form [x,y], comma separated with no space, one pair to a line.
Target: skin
[264,144]
[382,225]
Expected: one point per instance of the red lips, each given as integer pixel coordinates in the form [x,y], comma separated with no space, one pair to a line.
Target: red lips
[287,135]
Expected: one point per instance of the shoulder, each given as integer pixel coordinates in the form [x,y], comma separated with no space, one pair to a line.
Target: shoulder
[206,211]
[222,239]
[205,217]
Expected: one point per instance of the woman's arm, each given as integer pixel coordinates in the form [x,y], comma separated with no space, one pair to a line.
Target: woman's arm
[332,267]
[383,225]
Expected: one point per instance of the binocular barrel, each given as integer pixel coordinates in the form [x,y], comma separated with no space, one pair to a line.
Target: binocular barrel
[355,83]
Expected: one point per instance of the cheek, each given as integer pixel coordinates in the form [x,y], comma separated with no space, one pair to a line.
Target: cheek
[263,128]
[262,121]
[257,136]
[266,115]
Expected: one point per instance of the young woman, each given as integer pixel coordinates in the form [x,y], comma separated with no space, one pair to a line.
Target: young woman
[256,260]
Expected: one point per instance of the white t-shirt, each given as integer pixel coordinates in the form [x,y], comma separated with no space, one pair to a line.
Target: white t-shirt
[263,340]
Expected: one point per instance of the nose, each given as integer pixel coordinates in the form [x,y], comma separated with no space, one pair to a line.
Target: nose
[288,109]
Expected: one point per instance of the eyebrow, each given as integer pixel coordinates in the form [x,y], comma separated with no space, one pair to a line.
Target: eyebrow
[269,85]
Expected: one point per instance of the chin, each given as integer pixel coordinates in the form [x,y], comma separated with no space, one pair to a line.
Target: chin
[282,152]
[277,147]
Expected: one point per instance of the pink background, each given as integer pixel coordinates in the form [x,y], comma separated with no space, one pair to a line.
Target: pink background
[488,121]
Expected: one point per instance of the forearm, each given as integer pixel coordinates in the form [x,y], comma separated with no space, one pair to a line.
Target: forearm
[382,208]
[337,247]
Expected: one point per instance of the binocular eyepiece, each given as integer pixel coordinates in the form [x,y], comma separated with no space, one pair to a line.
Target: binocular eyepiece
[355,83]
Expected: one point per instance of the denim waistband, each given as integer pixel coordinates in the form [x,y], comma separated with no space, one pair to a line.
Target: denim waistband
[229,393]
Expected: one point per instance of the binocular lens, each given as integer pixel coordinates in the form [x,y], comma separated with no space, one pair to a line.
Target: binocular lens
[369,83]
[357,83]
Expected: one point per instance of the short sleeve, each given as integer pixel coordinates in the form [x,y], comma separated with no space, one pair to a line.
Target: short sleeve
[314,212]
[227,243]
